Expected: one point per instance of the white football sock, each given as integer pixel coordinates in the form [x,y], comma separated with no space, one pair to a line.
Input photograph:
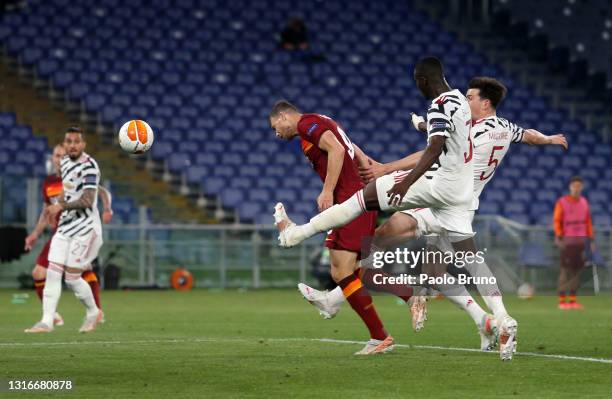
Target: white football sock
[52,292]
[496,304]
[82,291]
[339,214]
[489,292]
[471,307]
[460,296]
[335,296]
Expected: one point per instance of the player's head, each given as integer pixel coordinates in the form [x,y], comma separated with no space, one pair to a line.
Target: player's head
[74,142]
[56,157]
[484,96]
[429,76]
[576,185]
[284,118]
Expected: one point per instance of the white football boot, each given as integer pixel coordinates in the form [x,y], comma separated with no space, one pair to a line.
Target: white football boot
[90,323]
[39,327]
[508,328]
[488,332]
[58,320]
[418,309]
[287,236]
[376,346]
[319,300]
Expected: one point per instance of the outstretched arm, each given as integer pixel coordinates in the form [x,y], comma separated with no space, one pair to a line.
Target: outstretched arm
[534,137]
[374,171]
[428,158]
[406,163]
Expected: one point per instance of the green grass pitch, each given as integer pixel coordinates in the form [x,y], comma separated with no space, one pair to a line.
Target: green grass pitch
[205,344]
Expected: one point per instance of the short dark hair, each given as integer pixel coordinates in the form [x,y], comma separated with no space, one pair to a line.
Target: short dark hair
[282,106]
[429,67]
[490,89]
[74,129]
[576,178]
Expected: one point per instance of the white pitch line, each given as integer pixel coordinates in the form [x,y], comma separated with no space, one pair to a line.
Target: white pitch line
[450,348]
[297,339]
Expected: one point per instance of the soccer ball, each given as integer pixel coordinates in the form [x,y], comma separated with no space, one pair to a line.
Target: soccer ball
[525,291]
[136,137]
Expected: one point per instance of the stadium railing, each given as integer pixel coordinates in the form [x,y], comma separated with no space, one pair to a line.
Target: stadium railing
[247,256]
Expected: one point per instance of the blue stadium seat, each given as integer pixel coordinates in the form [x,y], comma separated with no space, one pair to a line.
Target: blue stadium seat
[242,183]
[260,195]
[178,162]
[546,196]
[232,197]
[5,157]
[248,210]
[15,169]
[213,185]
[514,208]
[20,133]
[195,174]
[520,195]
[161,150]
[494,196]
[7,120]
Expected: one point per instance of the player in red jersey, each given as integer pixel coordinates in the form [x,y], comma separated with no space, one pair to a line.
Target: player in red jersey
[52,191]
[336,160]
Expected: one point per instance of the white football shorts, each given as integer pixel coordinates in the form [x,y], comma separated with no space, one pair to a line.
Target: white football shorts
[438,215]
[77,252]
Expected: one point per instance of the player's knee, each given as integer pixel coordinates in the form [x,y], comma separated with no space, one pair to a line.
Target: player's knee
[73,270]
[338,274]
[398,225]
[340,271]
[71,278]
[39,273]
[384,230]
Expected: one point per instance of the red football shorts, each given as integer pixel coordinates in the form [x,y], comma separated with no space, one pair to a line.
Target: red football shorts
[43,256]
[352,236]
[573,253]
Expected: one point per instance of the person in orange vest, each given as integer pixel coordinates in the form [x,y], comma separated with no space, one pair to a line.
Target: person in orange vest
[573,232]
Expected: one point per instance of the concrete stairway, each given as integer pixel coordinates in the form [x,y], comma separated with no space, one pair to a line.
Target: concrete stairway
[22,95]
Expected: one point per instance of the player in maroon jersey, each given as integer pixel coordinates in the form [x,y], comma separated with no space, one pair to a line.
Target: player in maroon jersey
[52,191]
[336,160]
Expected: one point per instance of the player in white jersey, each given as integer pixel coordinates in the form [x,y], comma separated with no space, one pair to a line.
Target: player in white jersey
[492,137]
[79,234]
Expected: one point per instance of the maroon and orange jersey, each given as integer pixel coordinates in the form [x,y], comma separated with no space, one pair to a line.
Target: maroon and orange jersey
[52,192]
[310,128]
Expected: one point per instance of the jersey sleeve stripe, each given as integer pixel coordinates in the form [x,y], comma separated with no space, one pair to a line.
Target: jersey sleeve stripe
[444,133]
[452,102]
[89,169]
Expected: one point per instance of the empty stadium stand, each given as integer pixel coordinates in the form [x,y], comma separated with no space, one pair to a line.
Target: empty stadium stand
[205,76]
